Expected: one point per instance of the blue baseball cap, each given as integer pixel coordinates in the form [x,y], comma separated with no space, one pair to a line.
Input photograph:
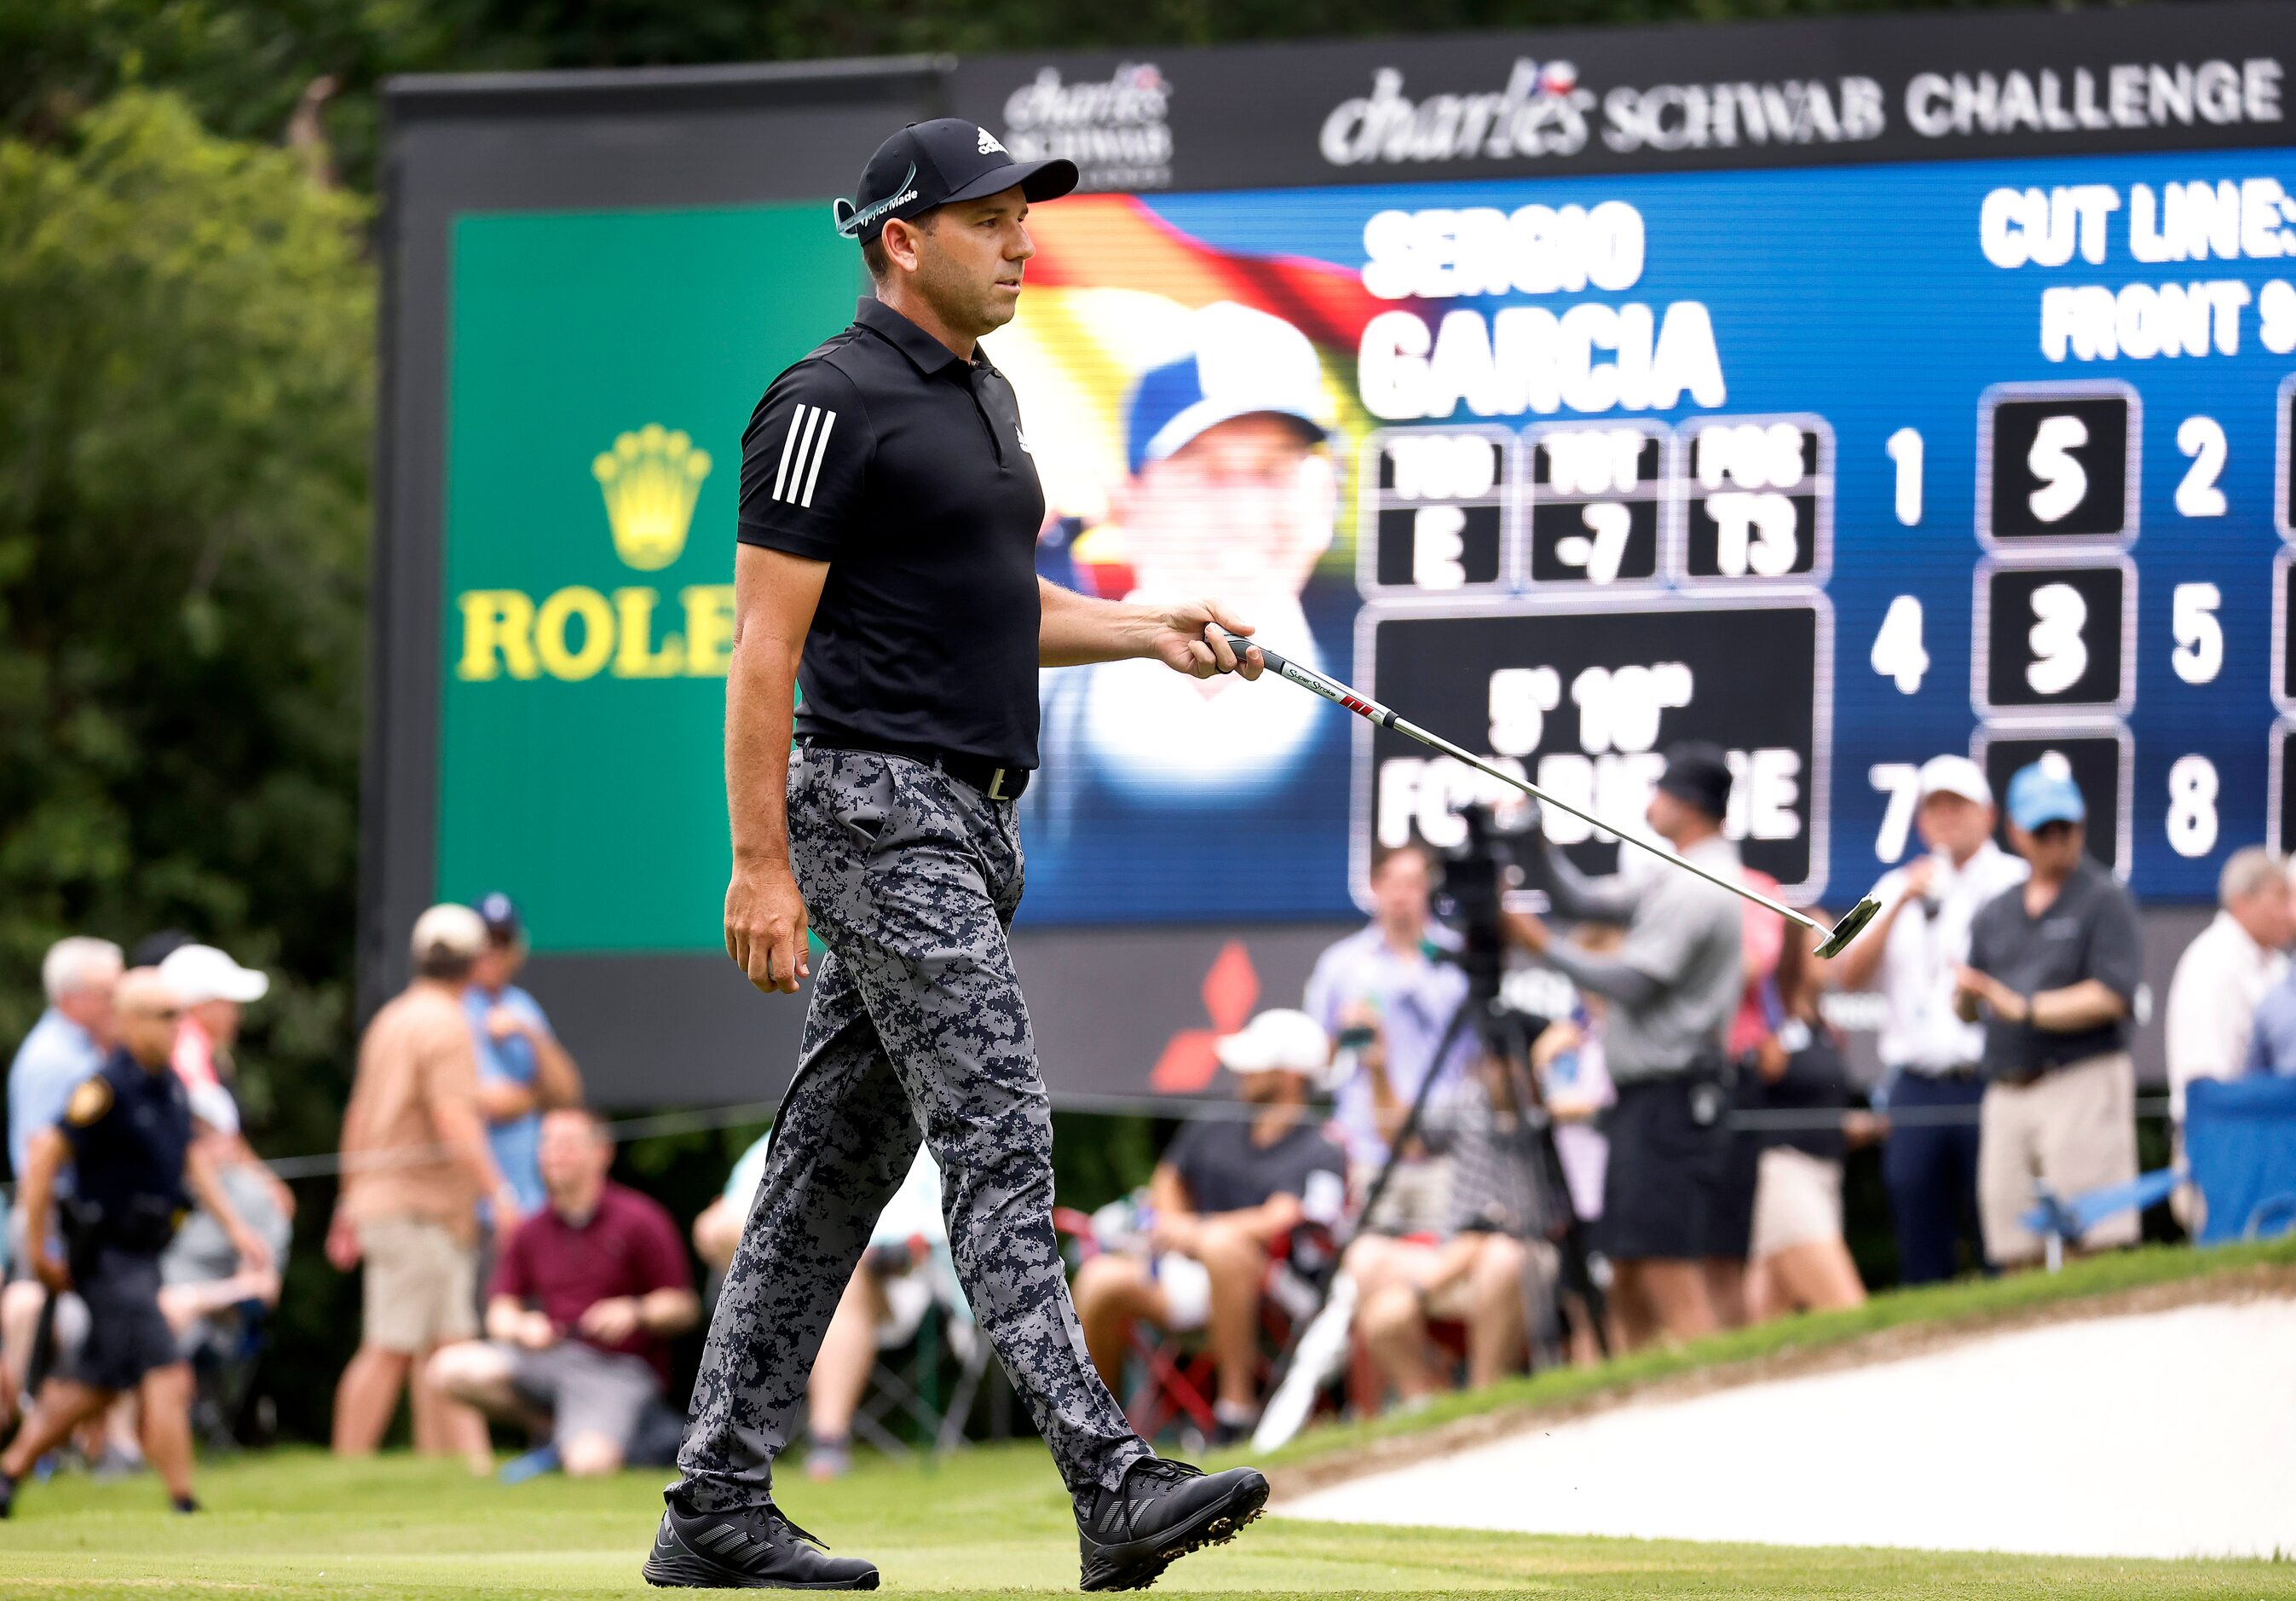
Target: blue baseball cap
[499,912]
[2042,793]
[1241,362]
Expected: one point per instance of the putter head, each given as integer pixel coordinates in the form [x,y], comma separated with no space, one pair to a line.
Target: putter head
[1850,926]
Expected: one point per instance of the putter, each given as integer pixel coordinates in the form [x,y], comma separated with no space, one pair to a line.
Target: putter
[1831,942]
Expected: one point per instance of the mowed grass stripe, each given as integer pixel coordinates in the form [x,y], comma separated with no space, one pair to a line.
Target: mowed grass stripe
[991,1522]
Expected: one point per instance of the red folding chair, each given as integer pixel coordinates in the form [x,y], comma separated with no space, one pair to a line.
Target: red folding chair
[1179,1379]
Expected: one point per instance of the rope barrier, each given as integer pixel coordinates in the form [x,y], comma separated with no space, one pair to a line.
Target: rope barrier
[326,1164]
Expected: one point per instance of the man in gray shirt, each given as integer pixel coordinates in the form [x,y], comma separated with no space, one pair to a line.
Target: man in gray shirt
[1672,988]
[2053,967]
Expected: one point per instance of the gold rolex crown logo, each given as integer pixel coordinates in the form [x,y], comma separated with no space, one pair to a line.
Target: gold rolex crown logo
[650,480]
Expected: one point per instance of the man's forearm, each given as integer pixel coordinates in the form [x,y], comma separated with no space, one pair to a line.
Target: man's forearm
[503,1315]
[1074,629]
[1602,975]
[760,709]
[207,1189]
[2076,1006]
[557,1081]
[1587,900]
[41,1163]
[669,1313]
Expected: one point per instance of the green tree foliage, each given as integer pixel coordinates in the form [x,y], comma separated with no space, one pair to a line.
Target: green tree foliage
[186,373]
[243,64]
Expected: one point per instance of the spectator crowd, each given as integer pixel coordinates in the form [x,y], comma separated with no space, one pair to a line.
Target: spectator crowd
[1658,1153]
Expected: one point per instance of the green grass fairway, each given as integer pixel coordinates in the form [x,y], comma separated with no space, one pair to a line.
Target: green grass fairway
[993,1521]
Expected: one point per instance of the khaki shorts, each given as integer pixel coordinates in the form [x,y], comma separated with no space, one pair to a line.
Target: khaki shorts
[1417,1199]
[1796,1200]
[418,1284]
[2074,1130]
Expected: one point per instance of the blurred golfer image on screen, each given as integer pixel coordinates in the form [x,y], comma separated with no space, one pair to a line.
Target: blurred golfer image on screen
[1230,489]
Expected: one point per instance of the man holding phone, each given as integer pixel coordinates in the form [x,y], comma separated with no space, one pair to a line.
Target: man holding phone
[1385,996]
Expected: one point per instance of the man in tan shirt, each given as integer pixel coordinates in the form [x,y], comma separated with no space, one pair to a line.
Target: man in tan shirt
[415,1164]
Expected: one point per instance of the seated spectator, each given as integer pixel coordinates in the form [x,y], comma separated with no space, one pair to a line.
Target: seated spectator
[2054,966]
[2225,973]
[1224,1197]
[905,1270]
[1472,1273]
[1384,990]
[587,1296]
[1796,1258]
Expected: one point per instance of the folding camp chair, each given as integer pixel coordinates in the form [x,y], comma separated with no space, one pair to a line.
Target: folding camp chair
[2240,1144]
[909,1393]
[1179,1379]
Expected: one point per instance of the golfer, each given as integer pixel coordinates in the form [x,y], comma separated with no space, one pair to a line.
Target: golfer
[888,517]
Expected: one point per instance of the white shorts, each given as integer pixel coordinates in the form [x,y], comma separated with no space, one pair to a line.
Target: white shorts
[1796,1200]
[1187,1286]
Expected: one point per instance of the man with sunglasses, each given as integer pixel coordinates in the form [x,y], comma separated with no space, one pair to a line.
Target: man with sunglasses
[2054,966]
[127,1135]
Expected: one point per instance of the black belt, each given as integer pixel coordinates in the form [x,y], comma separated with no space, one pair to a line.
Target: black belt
[997,783]
[1959,1072]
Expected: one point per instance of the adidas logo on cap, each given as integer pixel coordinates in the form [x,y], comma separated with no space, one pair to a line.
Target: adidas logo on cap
[989,146]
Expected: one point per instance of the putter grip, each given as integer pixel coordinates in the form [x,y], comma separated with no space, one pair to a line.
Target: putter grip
[1276,663]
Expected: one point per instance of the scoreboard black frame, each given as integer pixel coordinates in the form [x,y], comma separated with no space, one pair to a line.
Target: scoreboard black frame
[1642,658]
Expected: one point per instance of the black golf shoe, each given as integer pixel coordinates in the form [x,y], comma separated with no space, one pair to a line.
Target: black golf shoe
[756,1548]
[1165,1510]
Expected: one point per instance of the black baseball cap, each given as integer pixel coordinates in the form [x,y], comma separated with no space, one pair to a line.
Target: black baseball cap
[937,163]
[1699,773]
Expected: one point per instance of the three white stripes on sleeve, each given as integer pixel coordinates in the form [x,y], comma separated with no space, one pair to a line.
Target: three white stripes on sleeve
[807,442]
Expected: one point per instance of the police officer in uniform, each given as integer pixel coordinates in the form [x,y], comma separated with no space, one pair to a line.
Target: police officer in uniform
[127,1134]
[888,517]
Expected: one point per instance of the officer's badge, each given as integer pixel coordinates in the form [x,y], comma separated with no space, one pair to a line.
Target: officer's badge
[88,1103]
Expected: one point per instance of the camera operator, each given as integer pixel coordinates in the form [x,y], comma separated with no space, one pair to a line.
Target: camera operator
[1673,988]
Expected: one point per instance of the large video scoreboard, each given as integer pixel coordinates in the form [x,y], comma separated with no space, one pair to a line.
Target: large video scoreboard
[1842,393]
[1991,456]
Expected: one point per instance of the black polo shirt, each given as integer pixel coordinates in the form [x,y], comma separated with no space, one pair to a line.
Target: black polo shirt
[129,1130]
[2088,932]
[905,469]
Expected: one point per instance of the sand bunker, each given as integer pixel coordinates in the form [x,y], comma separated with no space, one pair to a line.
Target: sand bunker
[2167,1433]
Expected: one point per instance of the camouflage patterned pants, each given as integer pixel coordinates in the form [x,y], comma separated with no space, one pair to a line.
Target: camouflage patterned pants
[911,878]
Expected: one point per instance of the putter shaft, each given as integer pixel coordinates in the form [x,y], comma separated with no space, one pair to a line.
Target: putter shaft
[1363,706]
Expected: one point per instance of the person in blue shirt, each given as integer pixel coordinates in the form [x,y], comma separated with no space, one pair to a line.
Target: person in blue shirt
[523,1071]
[67,1044]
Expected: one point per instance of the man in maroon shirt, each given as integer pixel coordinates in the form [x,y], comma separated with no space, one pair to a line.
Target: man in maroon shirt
[586,1298]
